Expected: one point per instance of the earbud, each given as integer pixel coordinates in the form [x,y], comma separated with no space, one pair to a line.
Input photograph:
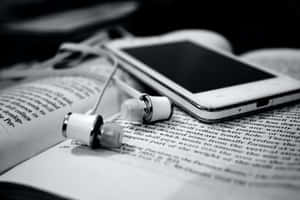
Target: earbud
[147,109]
[156,108]
[144,107]
[92,131]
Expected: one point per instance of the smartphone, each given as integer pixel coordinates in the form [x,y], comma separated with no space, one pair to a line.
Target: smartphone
[207,83]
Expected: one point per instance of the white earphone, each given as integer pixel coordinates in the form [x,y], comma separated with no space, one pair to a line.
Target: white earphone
[92,131]
[90,128]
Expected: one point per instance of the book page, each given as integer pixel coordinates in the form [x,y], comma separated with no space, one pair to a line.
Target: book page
[255,157]
[31,113]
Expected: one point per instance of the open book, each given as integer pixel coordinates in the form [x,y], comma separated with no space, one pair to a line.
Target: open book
[254,157]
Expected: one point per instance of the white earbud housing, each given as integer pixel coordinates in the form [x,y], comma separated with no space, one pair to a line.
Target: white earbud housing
[157,108]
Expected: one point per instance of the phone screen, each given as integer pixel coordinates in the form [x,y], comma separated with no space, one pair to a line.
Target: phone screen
[194,67]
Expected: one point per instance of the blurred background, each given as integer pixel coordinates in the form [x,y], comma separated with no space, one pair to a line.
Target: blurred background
[33,29]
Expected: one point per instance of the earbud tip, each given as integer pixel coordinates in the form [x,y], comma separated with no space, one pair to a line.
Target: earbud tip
[132,110]
[112,135]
